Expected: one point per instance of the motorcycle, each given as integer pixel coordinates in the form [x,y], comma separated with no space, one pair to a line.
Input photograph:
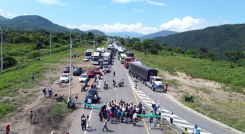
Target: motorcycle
[105,86]
[59,98]
[189,98]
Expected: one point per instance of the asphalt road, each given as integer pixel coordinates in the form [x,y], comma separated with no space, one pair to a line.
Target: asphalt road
[144,95]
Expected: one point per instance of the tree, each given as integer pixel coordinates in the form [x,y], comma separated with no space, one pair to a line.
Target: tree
[146,43]
[168,48]
[233,56]
[212,55]
[38,45]
[164,44]
[191,52]
[160,48]
[155,45]
[153,50]
[137,46]
[203,50]
[178,50]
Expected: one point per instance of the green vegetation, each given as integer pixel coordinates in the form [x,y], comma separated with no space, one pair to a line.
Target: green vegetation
[218,39]
[157,34]
[59,110]
[172,83]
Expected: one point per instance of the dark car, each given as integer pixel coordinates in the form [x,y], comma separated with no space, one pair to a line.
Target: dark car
[96,70]
[90,73]
[77,71]
[101,65]
[91,93]
[66,69]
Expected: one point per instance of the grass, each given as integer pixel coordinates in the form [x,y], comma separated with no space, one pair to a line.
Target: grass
[173,83]
[59,110]
[204,90]
[19,77]
[219,71]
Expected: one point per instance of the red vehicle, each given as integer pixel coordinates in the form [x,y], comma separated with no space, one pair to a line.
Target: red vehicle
[90,73]
[96,70]
[66,69]
[127,60]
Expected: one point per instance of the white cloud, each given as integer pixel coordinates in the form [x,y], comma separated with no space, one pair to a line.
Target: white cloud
[102,7]
[124,1]
[137,10]
[51,2]
[1,12]
[186,24]
[25,14]
[11,15]
[155,3]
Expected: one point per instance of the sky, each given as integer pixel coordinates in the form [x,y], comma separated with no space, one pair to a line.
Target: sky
[141,16]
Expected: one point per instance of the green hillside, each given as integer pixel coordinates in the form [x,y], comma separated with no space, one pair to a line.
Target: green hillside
[96,32]
[35,23]
[157,34]
[217,39]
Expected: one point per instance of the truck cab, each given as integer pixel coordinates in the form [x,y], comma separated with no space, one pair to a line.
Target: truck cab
[155,83]
[127,60]
[122,57]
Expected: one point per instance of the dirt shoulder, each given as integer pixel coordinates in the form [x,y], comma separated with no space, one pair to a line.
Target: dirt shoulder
[210,98]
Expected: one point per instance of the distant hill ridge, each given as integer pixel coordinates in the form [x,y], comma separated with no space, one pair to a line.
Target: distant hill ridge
[157,34]
[217,39]
[34,22]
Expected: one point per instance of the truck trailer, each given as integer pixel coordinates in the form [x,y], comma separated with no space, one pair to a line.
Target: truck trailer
[147,75]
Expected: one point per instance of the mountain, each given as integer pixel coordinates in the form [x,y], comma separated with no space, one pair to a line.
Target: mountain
[96,32]
[157,34]
[2,18]
[217,39]
[34,22]
[125,34]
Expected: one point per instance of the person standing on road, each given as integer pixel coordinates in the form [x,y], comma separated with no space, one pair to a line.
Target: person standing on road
[32,76]
[155,110]
[83,120]
[150,121]
[159,110]
[85,102]
[195,129]
[166,86]
[89,102]
[105,125]
[144,109]
[135,117]
[92,85]
[153,103]
[171,118]
[100,115]
[44,92]
[8,128]
[122,114]
[31,116]
[76,97]
[155,122]
[118,115]
[114,73]
[111,116]
[185,131]
[50,91]
[127,116]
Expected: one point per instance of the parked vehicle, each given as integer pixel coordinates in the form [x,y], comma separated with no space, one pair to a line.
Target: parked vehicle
[86,59]
[101,65]
[66,69]
[102,49]
[77,71]
[129,54]
[90,73]
[106,60]
[95,58]
[88,53]
[122,57]
[147,75]
[106,68]
[91,93]
[83,78]
[127,60]
[96,70]
[65,78]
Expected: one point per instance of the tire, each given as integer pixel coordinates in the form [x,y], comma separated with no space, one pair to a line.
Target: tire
[68,81]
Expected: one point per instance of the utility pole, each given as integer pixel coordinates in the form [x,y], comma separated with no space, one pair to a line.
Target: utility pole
[2,48]
[50,41]
[70,66]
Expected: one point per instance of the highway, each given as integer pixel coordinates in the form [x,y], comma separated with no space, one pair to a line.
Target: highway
[145,95]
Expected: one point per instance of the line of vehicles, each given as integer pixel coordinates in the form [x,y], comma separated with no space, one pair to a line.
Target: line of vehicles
[138,70]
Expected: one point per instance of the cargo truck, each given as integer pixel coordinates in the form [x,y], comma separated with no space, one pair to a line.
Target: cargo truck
[129,54]
[147,75]
[127,60]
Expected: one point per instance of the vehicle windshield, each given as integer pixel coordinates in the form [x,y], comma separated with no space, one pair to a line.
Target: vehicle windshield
[88,53]
[91,93]
[157,79]
[64,75]
[83,76]
[90,72]
[77,68]
[96,69]
[105,60]
[66,68]
[105,66]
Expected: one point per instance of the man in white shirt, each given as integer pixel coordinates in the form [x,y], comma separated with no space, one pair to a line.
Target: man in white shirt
[159,110]
[153,103]
[89,101]
[95,97]
[171,118]
[144,109]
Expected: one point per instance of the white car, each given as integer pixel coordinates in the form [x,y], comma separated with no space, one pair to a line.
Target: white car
[83,78]
[65,78]
[86,58]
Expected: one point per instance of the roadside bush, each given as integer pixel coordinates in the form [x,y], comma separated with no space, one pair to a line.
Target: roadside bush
[5,108]
[153,50]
